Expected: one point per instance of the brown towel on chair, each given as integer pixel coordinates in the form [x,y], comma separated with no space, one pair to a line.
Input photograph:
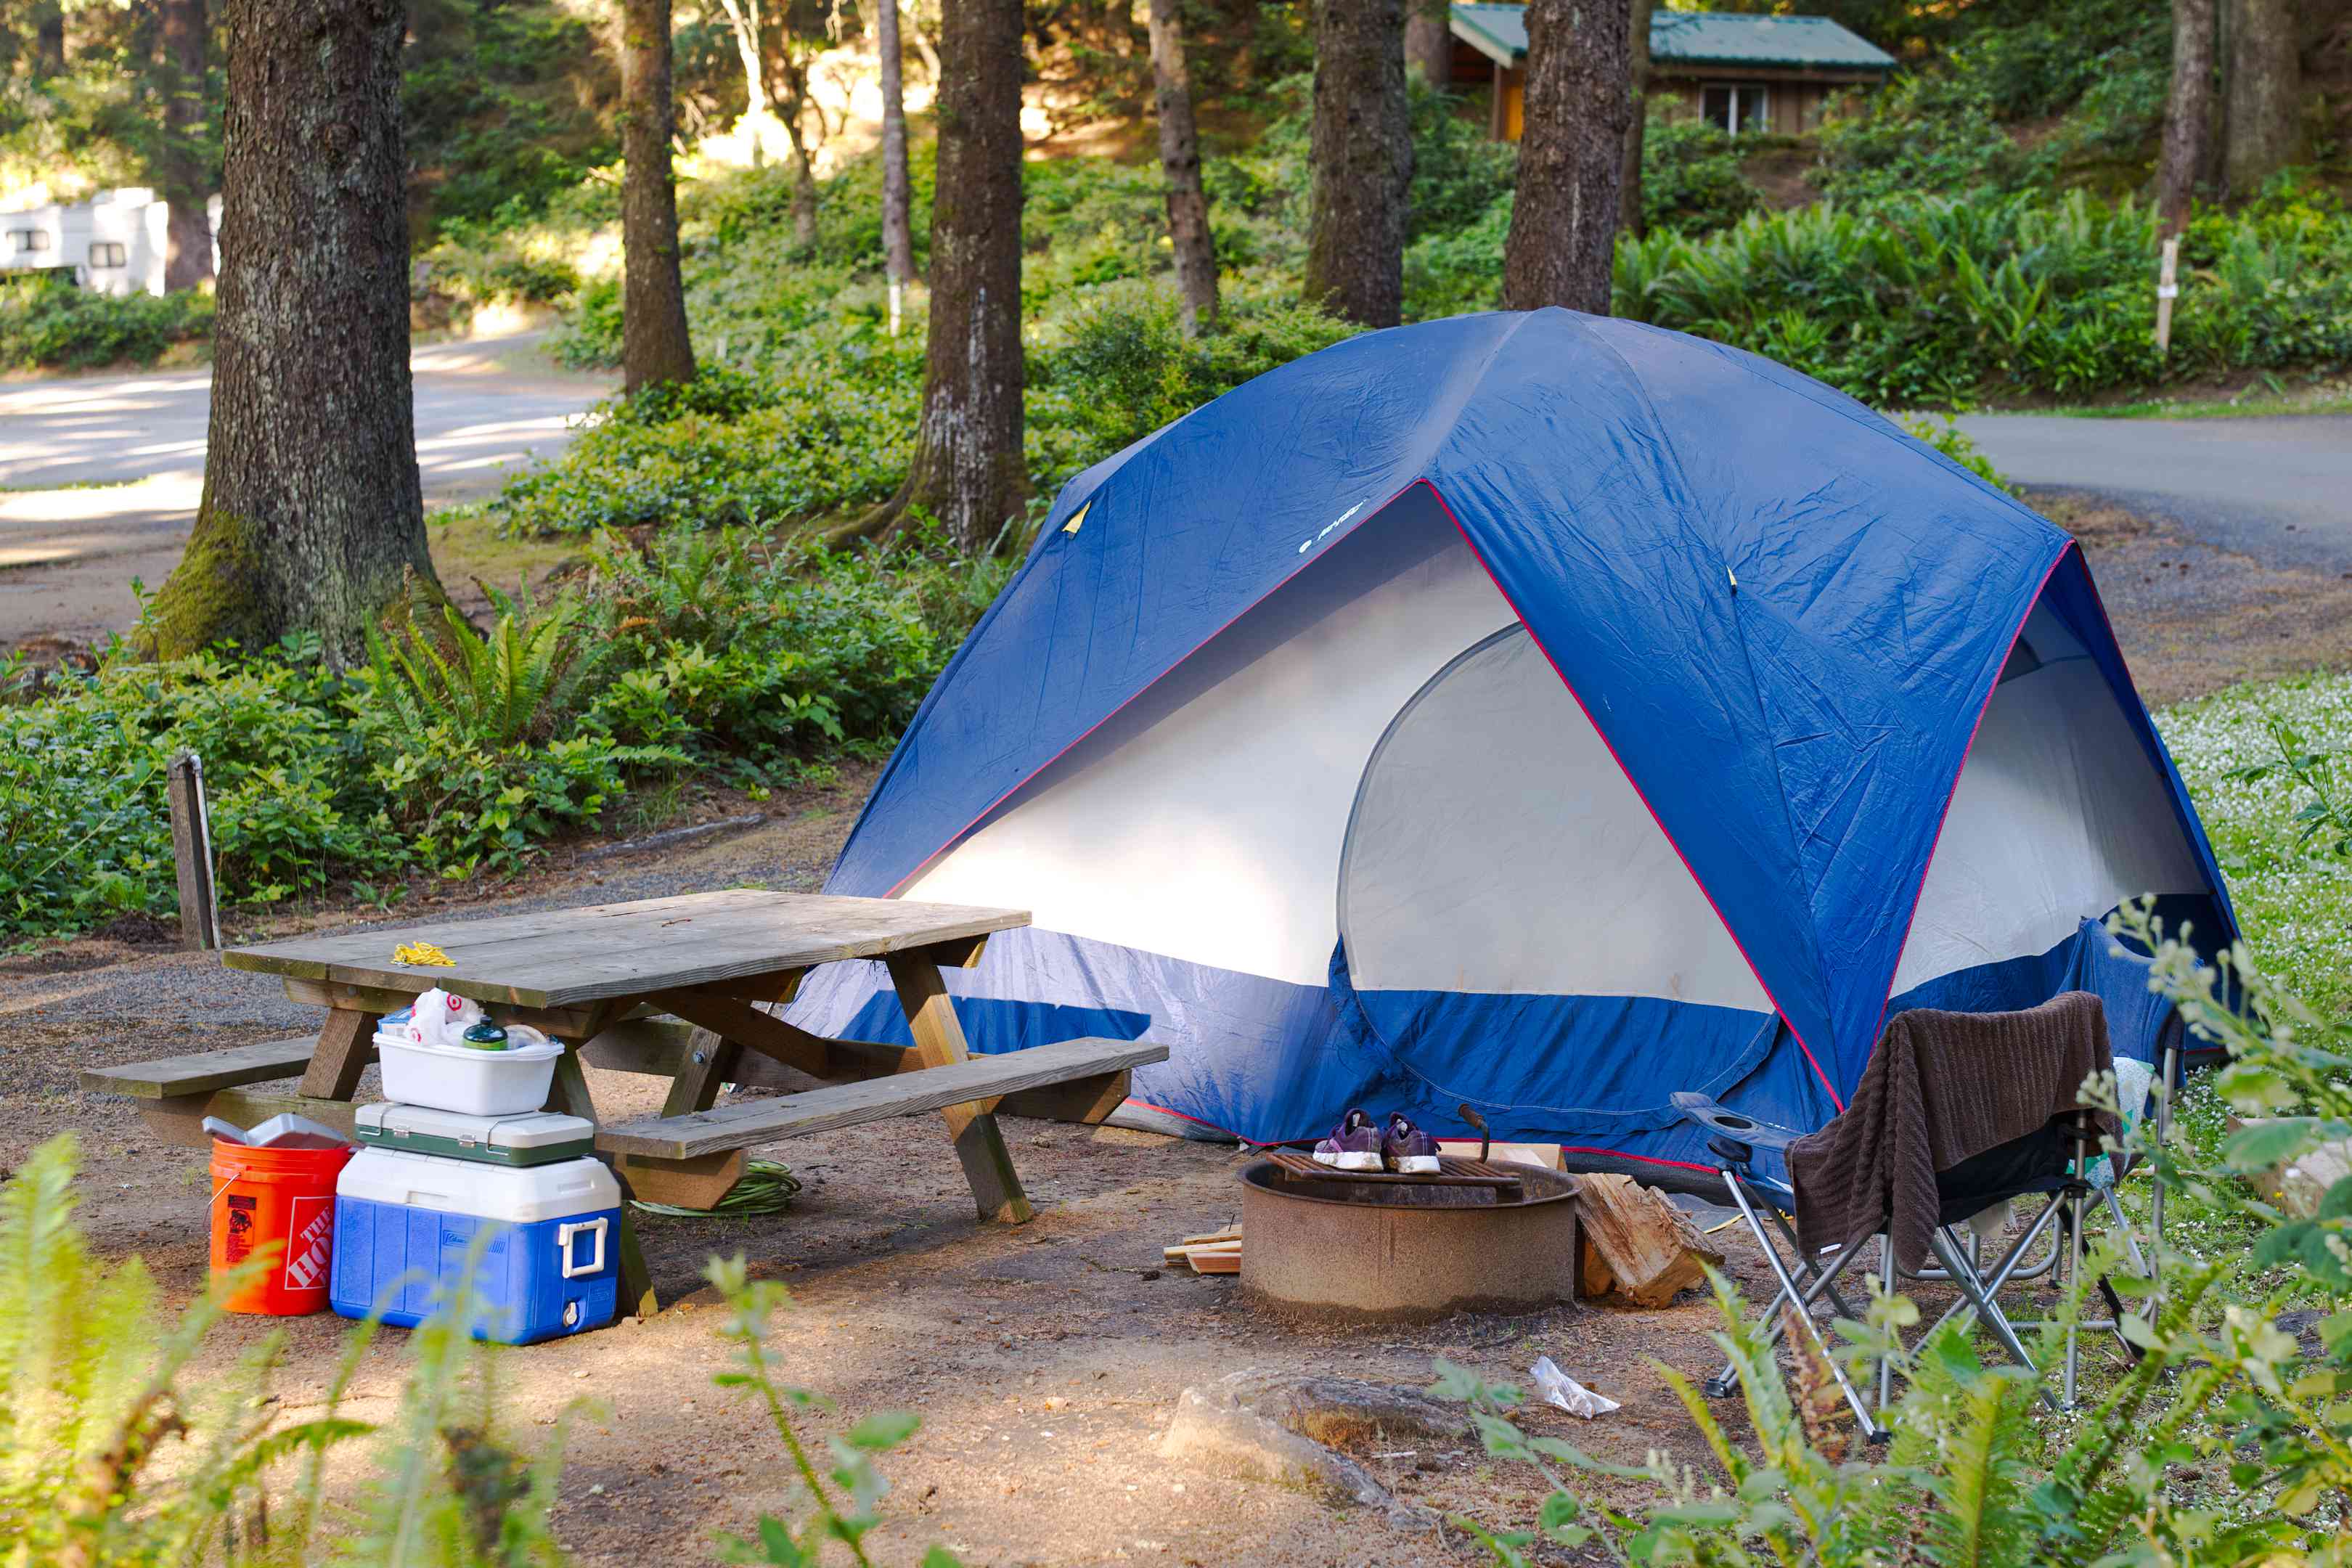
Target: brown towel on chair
[1940,1088]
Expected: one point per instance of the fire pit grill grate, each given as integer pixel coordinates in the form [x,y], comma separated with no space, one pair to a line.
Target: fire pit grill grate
[1451,1172]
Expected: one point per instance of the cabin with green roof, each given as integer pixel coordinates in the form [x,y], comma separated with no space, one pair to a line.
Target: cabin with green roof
[1749,74]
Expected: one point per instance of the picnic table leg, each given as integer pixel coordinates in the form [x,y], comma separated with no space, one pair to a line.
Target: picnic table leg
[939,1039]
[346,1045]
[569,1095]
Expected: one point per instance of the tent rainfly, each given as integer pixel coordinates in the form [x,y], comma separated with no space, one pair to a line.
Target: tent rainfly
[1539,711]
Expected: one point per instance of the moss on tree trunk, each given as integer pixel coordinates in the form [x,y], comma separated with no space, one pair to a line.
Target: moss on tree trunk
[312,518]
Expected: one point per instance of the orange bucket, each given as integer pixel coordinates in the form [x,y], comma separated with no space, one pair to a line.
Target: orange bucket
[282,1199]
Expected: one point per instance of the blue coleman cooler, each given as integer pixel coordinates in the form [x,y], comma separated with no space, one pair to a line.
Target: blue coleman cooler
[406,1225]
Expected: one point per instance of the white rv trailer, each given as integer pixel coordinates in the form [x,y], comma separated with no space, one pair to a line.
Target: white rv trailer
[113,243]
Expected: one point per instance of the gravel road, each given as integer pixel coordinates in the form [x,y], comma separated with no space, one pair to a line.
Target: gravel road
[99,476]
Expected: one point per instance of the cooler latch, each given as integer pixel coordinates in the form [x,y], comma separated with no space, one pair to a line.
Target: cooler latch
[570,1232]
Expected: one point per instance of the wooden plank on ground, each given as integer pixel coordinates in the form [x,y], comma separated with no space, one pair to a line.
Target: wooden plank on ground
[200,1072]
[746,1123]
[557,958]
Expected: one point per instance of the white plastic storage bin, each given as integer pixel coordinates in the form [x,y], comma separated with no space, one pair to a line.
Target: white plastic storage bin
[459,1078]
[406,1223]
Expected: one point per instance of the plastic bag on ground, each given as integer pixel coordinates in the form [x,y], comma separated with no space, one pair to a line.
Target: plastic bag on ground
[1564,1391]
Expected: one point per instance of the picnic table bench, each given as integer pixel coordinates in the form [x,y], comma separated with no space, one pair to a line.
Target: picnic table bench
[677,988]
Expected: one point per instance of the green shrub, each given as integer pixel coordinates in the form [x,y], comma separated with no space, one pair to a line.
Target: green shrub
[58,328]
[2054,96]
[834,427]
[1691,178]
[747,656]
[457,750]
[1938,300]
[1116,366]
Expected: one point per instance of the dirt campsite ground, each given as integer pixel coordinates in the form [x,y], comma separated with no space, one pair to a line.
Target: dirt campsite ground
[1047,1361]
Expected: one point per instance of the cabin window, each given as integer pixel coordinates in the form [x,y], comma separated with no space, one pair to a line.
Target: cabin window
[1736,107]
[107,253]
[25,241]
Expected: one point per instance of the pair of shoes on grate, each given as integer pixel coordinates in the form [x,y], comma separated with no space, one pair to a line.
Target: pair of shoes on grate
[1356,1144]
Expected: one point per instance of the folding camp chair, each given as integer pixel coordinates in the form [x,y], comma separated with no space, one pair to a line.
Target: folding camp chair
[2055,1161]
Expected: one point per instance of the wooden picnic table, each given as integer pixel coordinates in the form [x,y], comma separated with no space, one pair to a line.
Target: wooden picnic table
[602,978]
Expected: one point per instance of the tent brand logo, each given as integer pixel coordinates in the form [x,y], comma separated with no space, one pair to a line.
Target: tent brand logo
[1307,544]
[313,1237]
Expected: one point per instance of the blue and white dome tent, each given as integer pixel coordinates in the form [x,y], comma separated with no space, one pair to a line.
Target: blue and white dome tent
[1539,711]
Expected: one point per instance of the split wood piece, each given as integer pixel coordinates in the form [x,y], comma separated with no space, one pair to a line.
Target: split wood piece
[560,958]
[1637,1245]
[1176,1254]
[1216,1260]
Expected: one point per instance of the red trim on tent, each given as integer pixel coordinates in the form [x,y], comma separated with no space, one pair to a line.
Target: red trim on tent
[1638,795]
[1953,794]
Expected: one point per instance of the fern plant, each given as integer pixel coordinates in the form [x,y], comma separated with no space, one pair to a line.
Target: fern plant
[90,1394]
[513,685]
[119,1449]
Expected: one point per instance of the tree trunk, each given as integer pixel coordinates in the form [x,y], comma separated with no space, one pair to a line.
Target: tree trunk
[1360,151]
[312,516]
[1429,42]
[968,468]
[188,235]
[1180,167]
[2187,112]
[1564,220]
[1630,215]
[654,344]
[744,26]
[48,39]
[796,104]
[2265,95]
[897,231]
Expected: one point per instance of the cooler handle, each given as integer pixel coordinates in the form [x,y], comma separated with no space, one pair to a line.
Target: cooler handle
[565,1235]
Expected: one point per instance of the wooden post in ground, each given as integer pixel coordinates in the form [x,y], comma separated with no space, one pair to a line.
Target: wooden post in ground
[192,853]
[2167,289]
